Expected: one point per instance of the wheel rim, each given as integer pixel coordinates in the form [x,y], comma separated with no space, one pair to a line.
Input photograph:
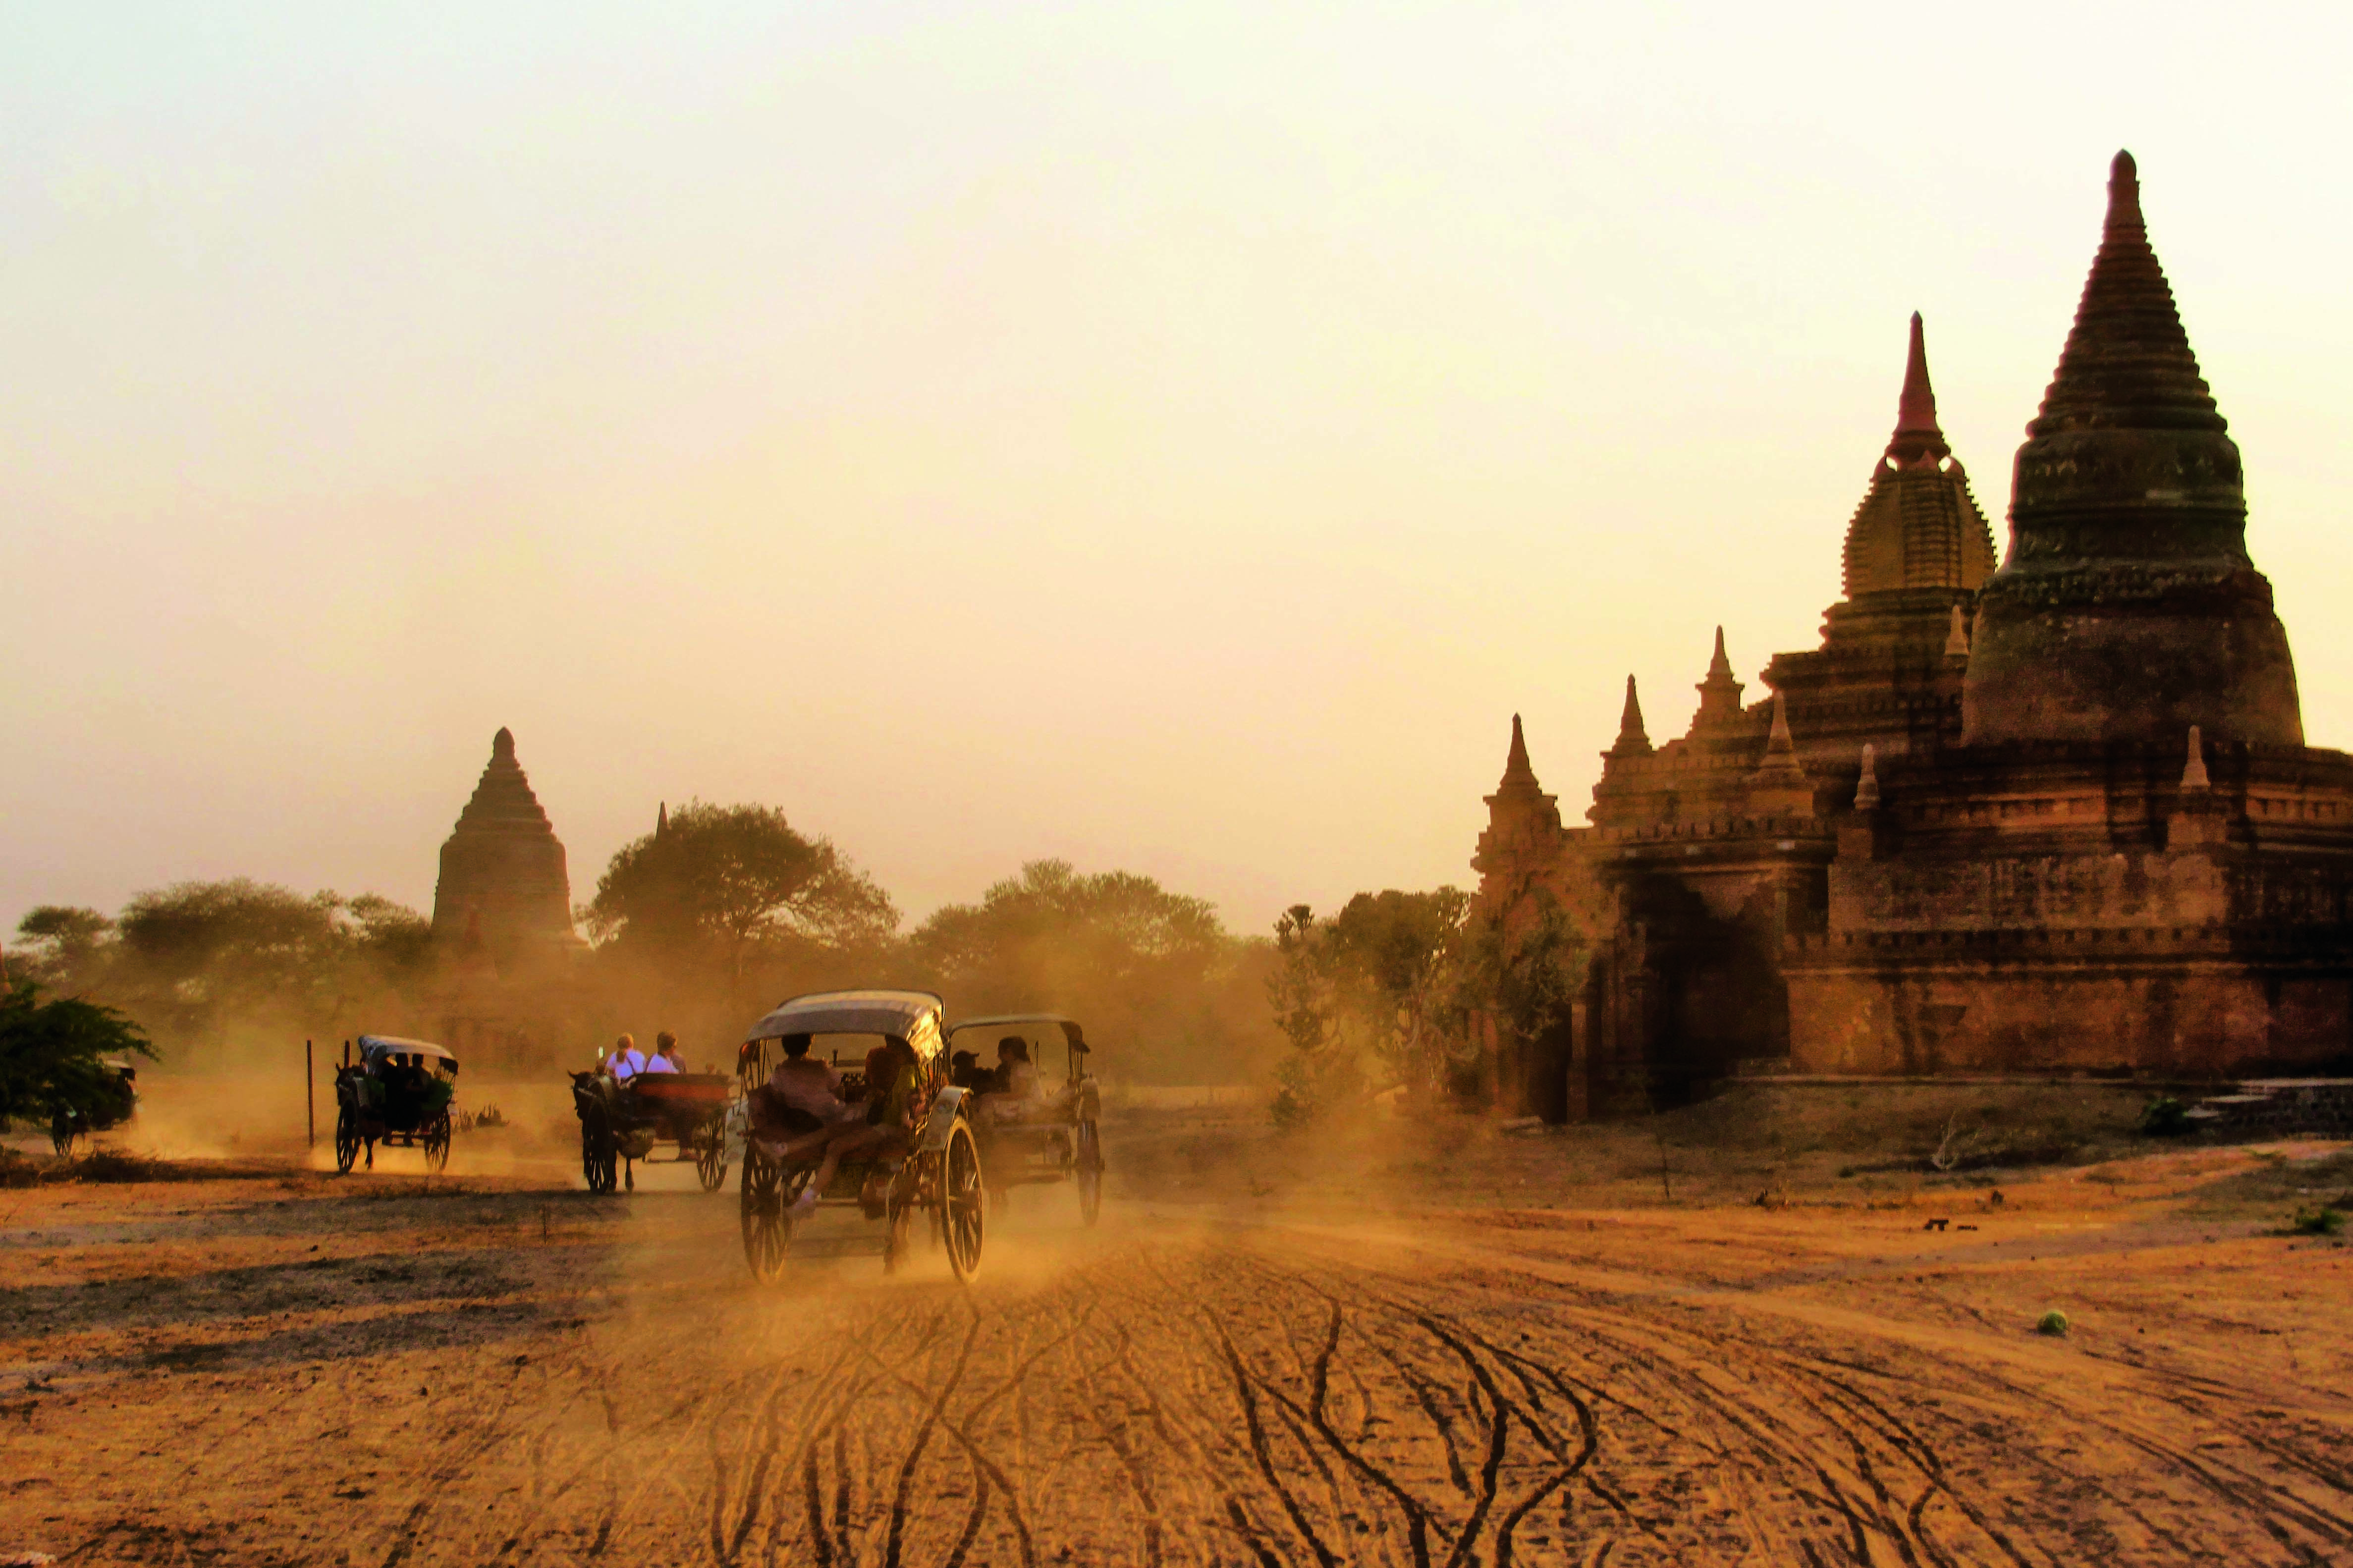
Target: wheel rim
[965,1201]
[347,1143]
[711,1163]
[767,1191]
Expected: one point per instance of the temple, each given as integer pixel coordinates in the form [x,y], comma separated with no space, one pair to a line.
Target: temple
[2055,815]
[502,906]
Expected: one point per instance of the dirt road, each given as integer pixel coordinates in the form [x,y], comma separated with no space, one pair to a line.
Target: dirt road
[292,1371]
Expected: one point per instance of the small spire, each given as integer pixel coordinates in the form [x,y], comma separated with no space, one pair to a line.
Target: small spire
[1517,773]
[2193,777]
[2123,194]
[662,822]
[1781,752]
[1957,641]
[1719,694]
[1866,789]
[1917,436]
[1633,741]
[502,745]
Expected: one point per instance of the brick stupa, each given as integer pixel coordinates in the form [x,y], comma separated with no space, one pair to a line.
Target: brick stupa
[504,898]
[2053,816]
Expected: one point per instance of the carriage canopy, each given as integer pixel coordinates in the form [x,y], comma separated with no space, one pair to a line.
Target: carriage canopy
[912,1015]
[1027,1022]
[374,1047]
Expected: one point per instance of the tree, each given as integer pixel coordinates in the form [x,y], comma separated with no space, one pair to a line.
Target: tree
[1523,974]
[1308,992]
[732,879]
[1397,954]
[1053,925]
[197,955]
[52,1053]
[63,944]
[1152,973]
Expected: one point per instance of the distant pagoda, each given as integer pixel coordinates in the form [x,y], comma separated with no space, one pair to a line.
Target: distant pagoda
[504,898]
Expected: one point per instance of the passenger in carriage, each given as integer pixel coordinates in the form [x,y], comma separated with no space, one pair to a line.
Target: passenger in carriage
[665,1057]
[1014,1094]
[966,1072]
[626,1062]
[801,1099]
[898,1085]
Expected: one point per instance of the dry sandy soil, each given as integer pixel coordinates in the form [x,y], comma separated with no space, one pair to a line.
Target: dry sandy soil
[1454,1347]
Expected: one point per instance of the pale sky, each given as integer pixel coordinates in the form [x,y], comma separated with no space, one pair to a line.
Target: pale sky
[1173,438]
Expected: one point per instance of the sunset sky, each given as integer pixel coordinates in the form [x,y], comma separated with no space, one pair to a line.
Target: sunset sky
[1173,438]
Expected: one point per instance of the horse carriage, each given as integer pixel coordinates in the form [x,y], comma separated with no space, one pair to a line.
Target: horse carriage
[621,1121]
[930,1163]
[397,1094]
[1031,1133]
[115,1101]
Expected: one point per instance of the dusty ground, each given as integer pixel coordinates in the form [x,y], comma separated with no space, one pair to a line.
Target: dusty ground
[1454,1347]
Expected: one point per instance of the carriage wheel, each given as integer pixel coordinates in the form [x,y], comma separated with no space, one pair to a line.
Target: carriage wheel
[1089,1174]
[598,1156]
[767,1194]
[437,1144]
[710,1163]
[964,1202]
[347,1139]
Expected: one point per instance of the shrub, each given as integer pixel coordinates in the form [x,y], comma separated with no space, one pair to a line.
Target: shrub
[2165,1117]
[2322,1220]
[2053,1323]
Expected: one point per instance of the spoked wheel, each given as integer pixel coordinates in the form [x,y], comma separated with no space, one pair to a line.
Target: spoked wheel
[1088,1173]
[711,1158]
[599,1159]
[347,1139]
[436,1143]
[964,1202]
[768,1193]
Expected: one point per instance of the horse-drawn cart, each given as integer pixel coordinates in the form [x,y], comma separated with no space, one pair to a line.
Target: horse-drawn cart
[115,1102]
[397,1094]
[621,1121]
[916,1149]
[1031,1133]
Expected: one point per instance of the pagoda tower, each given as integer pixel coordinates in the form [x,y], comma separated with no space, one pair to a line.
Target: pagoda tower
[504,891]
[2128,609]
[1917,550]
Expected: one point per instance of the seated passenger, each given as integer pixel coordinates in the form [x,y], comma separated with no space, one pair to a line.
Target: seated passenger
[964,1071]
[801,1099]
[1016,1095]
[897,1086]
[665,1057]
[1016,1076]
[626,1062]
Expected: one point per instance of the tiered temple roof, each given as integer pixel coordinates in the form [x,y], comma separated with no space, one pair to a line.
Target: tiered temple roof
[2128,607]
[504,884]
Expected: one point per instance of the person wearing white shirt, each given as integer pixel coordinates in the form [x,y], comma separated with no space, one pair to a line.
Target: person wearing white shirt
[665,1057]
[626,1062]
